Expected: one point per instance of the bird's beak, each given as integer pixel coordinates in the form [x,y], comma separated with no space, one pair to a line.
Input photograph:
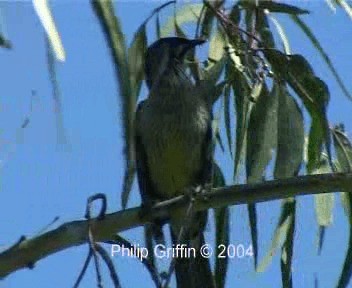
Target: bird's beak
[196,42]
[190,45]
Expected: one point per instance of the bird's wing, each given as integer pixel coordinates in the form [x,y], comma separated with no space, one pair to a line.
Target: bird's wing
[144,182]
[205,176]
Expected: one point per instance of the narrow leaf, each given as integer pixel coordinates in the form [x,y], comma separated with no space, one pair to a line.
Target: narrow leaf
[345,6]
[227,116]
[188,13]
[324,203]
[280,234]
[217,45]
[104,11]
[240,89]
[306,30]
[222,218]
[290,139]
[45,16]
[136,55]
[343,148]
[273,7]
[282,34]
[289,157]
[261,139]
[60,130]
[4,42]
[287,248]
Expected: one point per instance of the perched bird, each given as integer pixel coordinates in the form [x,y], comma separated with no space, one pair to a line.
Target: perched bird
[174,148]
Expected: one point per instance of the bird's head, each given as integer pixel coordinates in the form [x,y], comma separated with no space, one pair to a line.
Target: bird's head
[167,54]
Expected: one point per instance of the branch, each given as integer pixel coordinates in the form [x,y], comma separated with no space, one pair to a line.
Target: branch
[28,251]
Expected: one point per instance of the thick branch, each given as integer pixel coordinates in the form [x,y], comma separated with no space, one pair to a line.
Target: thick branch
[29,251]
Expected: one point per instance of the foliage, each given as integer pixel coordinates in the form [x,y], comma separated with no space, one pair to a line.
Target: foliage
[274,95]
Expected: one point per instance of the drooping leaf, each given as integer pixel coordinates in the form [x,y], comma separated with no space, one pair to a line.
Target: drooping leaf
[274,7]
[324,203]
[263,28]
[136,55]
[343,148]
[56,94]
[208,20]
[157,25]
[227,117]
[315,95]
[261,134]
[189,12]
[282,34]
[286,222]
[4,42]
[45,16]
[104,11]
[217,45]
[241,90]
[178,30]
[289,156]
[290,138]
[345,6]
[261,140]
[222,218]
[306,30]
[287,247]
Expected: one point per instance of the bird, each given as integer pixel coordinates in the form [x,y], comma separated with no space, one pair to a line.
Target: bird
[174,148]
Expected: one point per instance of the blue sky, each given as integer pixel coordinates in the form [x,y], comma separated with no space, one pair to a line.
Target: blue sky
[41,178]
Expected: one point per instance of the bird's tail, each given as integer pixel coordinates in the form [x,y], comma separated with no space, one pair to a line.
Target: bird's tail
[192,270]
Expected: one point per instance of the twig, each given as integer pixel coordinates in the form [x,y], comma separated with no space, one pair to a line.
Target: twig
[145,261]
[75,233]
[180,238]
[108,262]
[84,269]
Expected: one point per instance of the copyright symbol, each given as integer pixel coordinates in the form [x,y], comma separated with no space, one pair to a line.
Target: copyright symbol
[206,251]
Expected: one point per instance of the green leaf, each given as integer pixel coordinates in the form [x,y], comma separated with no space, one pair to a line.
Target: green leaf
[273,7]
[179,31]
[236,60]
[286,222]
[315,96]
[324,203]
[240,89]
[213,72]
[306,30]
[217,45]
[207,22]
[343,148]
[157,26]
[227,116]
[4,42]
[188,13]
[290,136]
[104,11]
[261,134]
[263,28]
[287,247]
[222,224]
[261,140]
[289,156]
[136,58]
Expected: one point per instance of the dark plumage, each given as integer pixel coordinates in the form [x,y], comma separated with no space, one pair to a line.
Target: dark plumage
[174,147]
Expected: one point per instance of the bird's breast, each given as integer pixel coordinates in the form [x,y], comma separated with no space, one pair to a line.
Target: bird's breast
[174,138]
